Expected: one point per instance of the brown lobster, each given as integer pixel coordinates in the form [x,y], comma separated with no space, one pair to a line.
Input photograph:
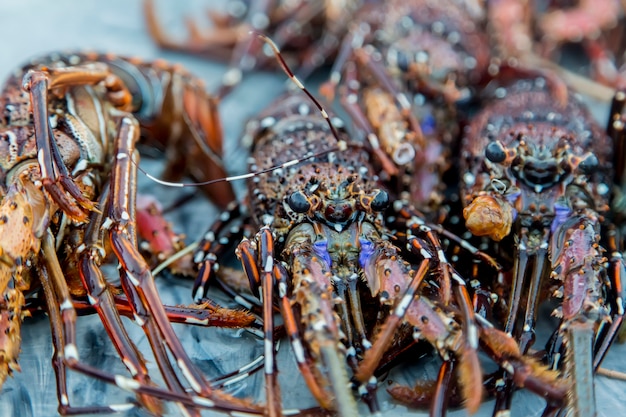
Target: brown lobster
[323,253]
[537,168]
[308,32]
[403,67]
[69,127]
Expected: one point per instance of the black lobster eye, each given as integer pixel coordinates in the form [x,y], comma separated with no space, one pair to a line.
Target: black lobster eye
[495,152]
[380,201]
[589,164]
[403,62]
[299,202]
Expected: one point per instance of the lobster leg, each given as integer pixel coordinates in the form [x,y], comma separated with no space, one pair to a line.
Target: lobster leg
[527,337]
[373,356]
[313,291]
[230,39]
[352,38]
[434,329]
[248,257]
[217,43]
[65,351]
[54,174]
[504,393]
[266,259]
[417,226]
[208,252]
[525,371]
[197,151]
[521,263]
[262,281]
[616,274]
[304,363]
[141,312]
[248,54]
[142,317]
[100,297]
[136,273]
[205,314]
[62,322]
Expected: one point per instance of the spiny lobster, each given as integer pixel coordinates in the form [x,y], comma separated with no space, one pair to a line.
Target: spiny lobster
[401,70]
[69,127]
[324,254]
[309,32]
[538,168]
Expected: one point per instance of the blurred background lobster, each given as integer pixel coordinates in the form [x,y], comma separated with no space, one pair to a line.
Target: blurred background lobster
[581,37]
[308,33]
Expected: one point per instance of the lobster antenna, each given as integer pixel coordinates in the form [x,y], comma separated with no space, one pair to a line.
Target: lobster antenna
[301,86]
[341,144]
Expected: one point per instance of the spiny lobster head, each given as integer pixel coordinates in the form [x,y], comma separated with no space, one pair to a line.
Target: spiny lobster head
[336,203]
[435,45]
[535,166]
[541,162]
[429,61]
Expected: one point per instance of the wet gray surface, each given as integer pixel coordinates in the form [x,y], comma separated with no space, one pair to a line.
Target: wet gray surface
[32,27]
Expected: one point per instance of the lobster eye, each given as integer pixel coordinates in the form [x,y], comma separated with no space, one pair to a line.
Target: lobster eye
[589,164]
[403,62]
[495,152]
[380,201]
[397,58]
[299,202]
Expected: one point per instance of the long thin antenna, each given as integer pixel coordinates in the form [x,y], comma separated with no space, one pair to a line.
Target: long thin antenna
[341,144]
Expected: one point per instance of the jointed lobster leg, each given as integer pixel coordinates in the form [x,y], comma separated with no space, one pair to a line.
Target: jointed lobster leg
[208,253]
[348,100]
[304,362]
[293,25]
[62,320]
[91,255]
[263,281]
[428,323]
[54,174]
[313,292]
[141,313]
[205,314]
[135,272]
[248,256]
[247,53]
[616,273]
